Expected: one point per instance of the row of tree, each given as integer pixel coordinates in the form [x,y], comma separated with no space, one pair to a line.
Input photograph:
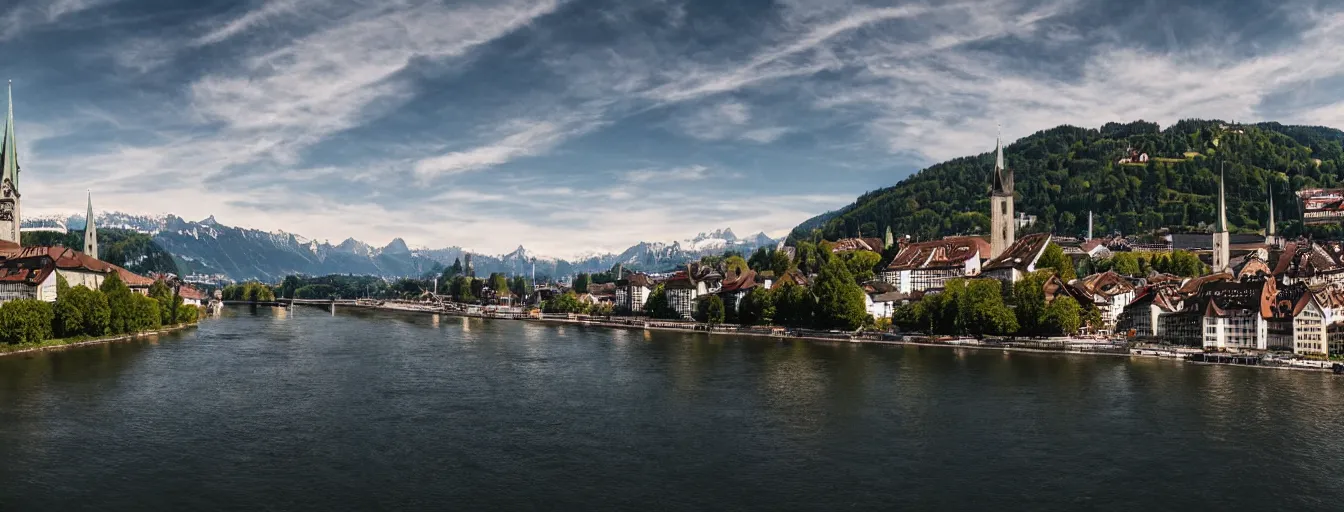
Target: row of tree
[976,307]
[79,311]
[250,291]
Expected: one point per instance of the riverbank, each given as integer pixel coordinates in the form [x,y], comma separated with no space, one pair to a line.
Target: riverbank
[1065,347]
[83,341]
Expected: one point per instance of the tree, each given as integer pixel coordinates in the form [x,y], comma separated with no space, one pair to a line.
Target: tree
[780,263]
[757,308]
[982,309]
[734,264]
[121,304]
[1062,316]
[461,289]
[1029,302]
[567,302]
[581,283]
[81,312]
[160,292]
[520,287]
[1126,264]
[288,286]
[861,264]
[794,306]
[25,321]
[499,283]
[710,310]
[1054,258]
[759,260]
[840,301]
[657,305]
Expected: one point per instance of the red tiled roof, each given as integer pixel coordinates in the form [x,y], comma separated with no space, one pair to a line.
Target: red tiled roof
[857,244]
[945,253]
[190,293]
[30,275]
[70,259]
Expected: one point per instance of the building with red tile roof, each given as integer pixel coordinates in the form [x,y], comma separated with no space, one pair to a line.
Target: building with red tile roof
[927,265]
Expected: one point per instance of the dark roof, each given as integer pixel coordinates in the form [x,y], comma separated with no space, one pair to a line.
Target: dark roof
[739,282]
[30,272]
[1107,284]
[1021,255]
[945,253]
[1217,298]
[857,244]
[636,279]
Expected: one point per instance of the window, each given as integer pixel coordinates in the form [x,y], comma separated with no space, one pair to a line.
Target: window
[1003,207]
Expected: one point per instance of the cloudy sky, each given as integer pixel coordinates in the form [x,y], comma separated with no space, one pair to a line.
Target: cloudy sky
[573,126]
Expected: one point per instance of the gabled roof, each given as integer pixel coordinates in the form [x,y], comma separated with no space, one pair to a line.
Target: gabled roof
[30,272]
[636,279]
[1104,285]
[74,261]
[1218,298]
[857,244]
[794,276]
[1022,255]
[739,282]
[946,253]
[1192,286]
[1290,301]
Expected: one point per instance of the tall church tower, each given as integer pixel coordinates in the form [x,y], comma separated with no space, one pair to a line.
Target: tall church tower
[1001,234]
[90,232]
[1221,240]
[10,220]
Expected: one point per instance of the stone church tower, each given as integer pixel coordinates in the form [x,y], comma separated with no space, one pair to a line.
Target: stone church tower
[1221,240]
[1001,230]
[10,220]
[90,232]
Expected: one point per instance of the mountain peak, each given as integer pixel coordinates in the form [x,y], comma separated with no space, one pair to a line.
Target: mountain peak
[210,221]
[397,246]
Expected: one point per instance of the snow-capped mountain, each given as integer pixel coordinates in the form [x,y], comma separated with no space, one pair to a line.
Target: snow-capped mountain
[209,247]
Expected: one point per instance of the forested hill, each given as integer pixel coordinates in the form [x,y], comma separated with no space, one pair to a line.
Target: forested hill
[1063,172]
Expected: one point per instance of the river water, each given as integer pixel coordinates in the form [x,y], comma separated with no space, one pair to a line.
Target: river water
[273,410]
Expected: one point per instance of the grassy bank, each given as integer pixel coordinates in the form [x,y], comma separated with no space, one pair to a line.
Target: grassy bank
[79,341]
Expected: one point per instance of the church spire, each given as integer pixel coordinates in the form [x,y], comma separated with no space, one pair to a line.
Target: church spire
[9,152]
[1270,231]
[1222,206]
[1003,178]
[90,231]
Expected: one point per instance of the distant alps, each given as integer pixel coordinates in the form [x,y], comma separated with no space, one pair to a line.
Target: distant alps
[209,247]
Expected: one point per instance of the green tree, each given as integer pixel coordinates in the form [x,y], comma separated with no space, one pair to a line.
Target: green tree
[734,264]
[160,292]
[758,307]
[861,264]
[121,303]
[794,306]
[1029,302]
[1062,316]
[581,283]
[1054,258]
[982,310]
[289,285]
[780,263]
[461,289]
[759,260]
[81,312]
[25,321]
[567,302]
[499,283]
[657,305]
[1126,264]
[710,310]
[840,301]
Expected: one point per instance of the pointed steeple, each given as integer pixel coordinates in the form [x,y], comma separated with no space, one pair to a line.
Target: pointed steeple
[9,154]
[1003,178]
[1270,230]
[90,231]
[1222,206]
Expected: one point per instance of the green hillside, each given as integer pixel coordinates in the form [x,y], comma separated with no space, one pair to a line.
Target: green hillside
[136,252]
[1063,172]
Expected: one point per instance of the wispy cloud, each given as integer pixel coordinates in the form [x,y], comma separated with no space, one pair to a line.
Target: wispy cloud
[532,139]
[36,13]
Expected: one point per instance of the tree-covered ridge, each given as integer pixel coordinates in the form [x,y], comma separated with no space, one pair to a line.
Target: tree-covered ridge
[1064,172]
[134,251]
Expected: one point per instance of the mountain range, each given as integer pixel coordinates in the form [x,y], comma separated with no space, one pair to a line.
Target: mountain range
[208,247]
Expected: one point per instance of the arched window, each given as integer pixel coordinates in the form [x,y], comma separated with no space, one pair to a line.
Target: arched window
[1003,207]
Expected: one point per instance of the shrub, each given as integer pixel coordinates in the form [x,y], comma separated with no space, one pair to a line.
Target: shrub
[81,312]
[25,321]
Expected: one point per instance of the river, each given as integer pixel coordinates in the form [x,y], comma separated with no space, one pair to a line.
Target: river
[267,409]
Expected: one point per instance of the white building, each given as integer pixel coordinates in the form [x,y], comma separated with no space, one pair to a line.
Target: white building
[929,265]
[633,291]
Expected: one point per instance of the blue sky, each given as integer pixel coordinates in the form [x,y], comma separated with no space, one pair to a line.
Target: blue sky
[587,125]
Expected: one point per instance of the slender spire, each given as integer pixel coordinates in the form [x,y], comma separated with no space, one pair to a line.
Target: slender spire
[1270,231]
[9,152]
[998,149]
[1222,205]
[90,231]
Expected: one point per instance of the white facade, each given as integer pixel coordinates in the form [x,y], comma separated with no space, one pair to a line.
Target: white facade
[1239,330]
[683,300]
[1110,312]
[879,309]
[632,297]
[901,279]
[1309,335]
[44,291]
[928,279]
